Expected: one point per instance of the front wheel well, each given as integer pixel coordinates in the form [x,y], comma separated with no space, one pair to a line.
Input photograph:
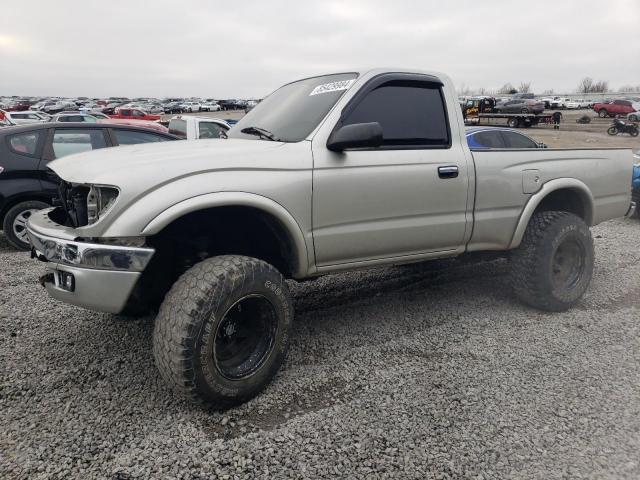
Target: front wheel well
[229,230]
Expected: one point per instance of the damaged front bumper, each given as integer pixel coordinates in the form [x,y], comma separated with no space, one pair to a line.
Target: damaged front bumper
[90,275]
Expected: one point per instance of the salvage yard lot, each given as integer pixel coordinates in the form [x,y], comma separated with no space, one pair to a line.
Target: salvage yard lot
[418,371]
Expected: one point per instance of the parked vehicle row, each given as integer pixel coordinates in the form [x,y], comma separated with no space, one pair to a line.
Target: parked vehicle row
[27,185]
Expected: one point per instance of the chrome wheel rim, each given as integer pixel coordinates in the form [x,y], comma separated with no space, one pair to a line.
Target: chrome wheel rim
[245,337]
[20,224]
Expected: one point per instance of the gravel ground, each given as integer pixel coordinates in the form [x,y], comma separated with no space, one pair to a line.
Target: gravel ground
[412,372]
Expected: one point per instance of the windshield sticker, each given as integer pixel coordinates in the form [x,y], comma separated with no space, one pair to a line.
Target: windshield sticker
[332,87]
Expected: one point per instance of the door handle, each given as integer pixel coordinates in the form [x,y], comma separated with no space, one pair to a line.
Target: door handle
[450,171]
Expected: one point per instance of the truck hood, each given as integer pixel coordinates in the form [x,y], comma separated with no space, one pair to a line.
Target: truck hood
[156,163]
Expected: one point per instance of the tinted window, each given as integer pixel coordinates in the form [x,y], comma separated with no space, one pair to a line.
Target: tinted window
[293,111]
[131,137]
[516,140]
[178,127]
[488,140]
[211,130]
[410,113]
[25,143]
[67,141]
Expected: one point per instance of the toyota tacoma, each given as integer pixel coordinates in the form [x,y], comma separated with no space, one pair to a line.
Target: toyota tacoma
[327,174]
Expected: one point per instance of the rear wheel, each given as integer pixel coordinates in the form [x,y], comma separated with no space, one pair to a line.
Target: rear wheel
[633,132]
[552,267]
[602,113]
[223,330]
[15,222]
[612,131]
[633,118]
[513,122]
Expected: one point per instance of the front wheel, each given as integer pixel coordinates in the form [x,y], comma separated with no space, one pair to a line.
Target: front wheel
[552,267]
[513,122]
[15,222]
[633,132]
[633,118]
[223,330]
[602,113]
[612,131]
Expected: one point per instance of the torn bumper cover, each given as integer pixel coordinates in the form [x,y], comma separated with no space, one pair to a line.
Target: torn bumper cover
[90,275]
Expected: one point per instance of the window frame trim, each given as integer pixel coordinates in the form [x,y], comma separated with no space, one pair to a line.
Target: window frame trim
[38,151]
[378,81]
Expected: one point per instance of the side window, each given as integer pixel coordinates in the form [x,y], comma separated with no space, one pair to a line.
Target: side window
[125,113]
[69,141]
[210,130]
[411,114]
[24,143]
[516,140]
[137,113]
[488,140]
[132,137]
[178,127]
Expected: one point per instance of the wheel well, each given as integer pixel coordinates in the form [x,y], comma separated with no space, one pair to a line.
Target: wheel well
[567,200]
[209,232]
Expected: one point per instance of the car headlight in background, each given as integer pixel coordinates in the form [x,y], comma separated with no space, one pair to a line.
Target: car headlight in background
[99,200]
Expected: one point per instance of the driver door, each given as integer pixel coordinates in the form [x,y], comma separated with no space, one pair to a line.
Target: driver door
[394,200]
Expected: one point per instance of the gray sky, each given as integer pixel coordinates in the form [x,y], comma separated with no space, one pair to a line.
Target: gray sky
[247,48]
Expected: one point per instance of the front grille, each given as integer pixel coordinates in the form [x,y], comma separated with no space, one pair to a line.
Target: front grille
[73,202]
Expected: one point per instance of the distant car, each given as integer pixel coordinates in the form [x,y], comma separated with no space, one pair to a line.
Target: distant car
[59,106]
[79,117]
[614,108]
[26,185]
[483,137]
[210,107]
[20,105]
[576,104]
[190,106]
[26,117]
[191,127]
[249,106]
[634,117]
[134,114]
[519,106]
[173,107]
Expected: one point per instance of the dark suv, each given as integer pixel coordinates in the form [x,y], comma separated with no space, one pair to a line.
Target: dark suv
[27,185]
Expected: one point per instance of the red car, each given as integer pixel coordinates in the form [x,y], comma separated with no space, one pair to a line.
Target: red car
[134,114]
[136,123]
[611,109]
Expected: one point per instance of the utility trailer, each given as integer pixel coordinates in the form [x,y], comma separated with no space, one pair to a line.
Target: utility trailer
[514,120]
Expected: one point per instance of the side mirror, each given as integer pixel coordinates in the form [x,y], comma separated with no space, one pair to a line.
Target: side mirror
[358,135]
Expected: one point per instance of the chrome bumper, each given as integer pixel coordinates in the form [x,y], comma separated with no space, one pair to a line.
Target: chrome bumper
[631,211]
[94,276]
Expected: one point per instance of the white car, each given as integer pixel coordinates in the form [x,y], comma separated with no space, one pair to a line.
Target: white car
[91,117]
[26,117]
[190,106]
[198,128]
[576,104]
[59,106]
[210,107]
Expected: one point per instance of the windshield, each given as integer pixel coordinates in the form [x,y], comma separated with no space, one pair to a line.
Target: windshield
[294,110]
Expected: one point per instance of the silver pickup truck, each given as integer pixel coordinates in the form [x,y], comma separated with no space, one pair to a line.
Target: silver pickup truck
[327,174]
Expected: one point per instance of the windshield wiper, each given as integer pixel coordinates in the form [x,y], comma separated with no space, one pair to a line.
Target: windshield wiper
[261,132]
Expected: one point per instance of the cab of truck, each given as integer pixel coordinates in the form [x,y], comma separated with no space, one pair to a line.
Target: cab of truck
[198,128]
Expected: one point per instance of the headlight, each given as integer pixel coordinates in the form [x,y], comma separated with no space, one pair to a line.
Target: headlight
[99,200]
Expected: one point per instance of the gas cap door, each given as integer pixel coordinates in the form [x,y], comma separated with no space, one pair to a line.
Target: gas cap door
[531,181]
